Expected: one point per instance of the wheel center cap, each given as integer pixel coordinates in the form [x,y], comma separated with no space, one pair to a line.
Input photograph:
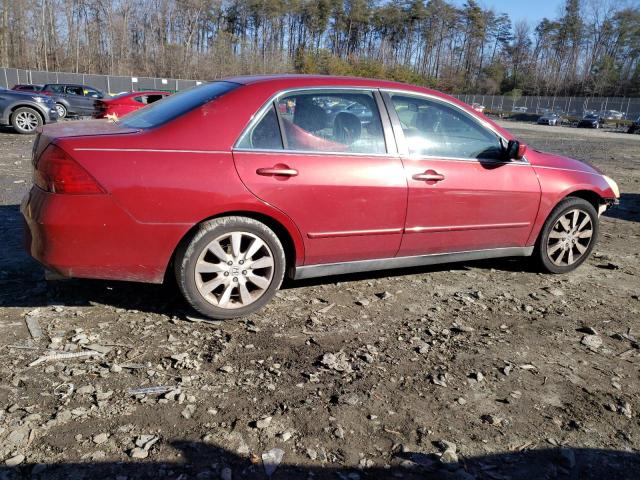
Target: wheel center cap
[235,270]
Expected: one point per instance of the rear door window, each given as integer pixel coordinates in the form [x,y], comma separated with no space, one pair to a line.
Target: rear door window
[332,121]
[177,104]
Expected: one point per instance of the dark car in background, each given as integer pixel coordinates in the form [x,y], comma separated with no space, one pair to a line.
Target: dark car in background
[635,126]
[73,99]
[26,111]
[591,120]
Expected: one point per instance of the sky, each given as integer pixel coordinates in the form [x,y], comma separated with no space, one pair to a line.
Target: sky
[530,10]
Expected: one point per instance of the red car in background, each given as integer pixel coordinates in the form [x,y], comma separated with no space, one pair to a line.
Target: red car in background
[233,184]
[125,103]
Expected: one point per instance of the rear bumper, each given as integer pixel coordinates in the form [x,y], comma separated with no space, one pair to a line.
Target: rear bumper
[90,236]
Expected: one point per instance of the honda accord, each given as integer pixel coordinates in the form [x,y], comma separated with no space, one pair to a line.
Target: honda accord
[234,184]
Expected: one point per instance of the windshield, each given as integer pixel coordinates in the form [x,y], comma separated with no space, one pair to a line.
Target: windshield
[173,106]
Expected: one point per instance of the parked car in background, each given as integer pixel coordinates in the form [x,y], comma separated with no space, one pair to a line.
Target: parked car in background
[26,111]
[591,121]
[520,109]
[478,107]
[72,99]
[611,115]
[550,119]
[635,126]
[125,103]
[27,87]
[228,191]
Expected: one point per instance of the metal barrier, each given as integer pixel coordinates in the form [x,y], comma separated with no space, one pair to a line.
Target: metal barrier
[107,83]
[574,106]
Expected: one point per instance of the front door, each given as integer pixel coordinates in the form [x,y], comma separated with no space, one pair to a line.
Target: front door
[322,157]
[463,195]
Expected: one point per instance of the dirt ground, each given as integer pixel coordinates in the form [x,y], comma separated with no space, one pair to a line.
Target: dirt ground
[485,370]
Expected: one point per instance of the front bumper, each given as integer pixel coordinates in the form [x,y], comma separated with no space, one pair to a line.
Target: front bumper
[90,236]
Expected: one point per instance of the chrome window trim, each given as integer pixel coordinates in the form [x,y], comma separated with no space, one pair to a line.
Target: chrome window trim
[479,121]
[523,162]
[314,152]
[256,117]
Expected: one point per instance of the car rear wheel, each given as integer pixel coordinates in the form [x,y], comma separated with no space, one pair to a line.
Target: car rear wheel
[62,110]
[231,267]
[25,120]
[568,236]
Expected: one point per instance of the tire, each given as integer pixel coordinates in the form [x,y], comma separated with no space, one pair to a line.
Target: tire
[62,110]
[234,293]
[26,120]
[561,247]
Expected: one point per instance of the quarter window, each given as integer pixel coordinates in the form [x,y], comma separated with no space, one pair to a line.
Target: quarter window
[264,135]
[432,128]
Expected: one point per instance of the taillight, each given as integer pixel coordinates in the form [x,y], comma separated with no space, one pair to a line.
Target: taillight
[57,172]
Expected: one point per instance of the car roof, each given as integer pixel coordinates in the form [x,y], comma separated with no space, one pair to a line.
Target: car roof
[301,80]
[279,82]
[70,85]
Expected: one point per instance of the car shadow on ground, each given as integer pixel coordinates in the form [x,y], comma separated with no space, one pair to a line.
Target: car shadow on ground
[204,461]
[628,209]
[22,282]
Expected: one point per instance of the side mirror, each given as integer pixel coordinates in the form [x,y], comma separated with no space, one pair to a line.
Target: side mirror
[515,150]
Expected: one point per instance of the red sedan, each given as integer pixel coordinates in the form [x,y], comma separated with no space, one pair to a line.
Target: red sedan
[125,103]
[233,184]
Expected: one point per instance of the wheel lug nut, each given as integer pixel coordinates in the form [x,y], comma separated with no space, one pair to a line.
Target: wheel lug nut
[241,262]
[244,272]
[235,279]
[229,262]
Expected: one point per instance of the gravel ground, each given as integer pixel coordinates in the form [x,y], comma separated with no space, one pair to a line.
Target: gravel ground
[485,370]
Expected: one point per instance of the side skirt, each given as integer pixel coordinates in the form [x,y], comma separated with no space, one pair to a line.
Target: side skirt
[323,270]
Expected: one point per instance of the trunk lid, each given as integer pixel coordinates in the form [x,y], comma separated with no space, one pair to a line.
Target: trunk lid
[84,128]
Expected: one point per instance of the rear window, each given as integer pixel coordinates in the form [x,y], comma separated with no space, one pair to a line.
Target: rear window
[175,105]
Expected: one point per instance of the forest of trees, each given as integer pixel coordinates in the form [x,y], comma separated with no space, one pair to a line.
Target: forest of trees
[591,48]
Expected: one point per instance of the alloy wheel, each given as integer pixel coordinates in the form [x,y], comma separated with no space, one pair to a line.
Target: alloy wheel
[62,111]
[234,270]
[570,237]
[27,121]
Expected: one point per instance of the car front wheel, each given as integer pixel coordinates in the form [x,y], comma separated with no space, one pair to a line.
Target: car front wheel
[231,267]
[25,120]
[568,236]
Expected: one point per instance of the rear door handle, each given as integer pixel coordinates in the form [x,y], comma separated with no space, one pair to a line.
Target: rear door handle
[272,171]
[429,176]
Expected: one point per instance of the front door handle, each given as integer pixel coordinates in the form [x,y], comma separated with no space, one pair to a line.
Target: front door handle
[277,170]
[429,176]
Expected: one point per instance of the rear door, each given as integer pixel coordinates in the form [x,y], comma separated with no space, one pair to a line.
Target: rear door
[332,168]
[463,194]
[80,103]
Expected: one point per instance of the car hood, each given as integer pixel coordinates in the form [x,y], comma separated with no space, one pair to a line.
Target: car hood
[543,159]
